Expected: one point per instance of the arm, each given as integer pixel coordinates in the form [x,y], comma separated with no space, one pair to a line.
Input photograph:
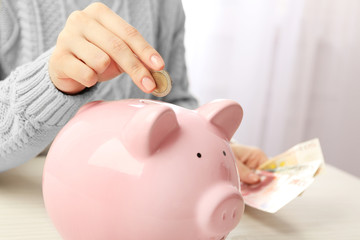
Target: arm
[32,111]
[38,98]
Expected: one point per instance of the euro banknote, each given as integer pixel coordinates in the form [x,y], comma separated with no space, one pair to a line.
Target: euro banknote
[284,177]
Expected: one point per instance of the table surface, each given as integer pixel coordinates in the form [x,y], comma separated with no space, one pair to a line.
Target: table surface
[328,209]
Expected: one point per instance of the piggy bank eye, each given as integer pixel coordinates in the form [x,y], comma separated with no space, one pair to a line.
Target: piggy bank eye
[198,155]
[224,153]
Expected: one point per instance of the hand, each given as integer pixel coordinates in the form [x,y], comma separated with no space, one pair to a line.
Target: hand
[248,159]
[97,45]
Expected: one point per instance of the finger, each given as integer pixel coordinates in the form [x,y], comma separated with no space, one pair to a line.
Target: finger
[253,161]
[118,50]
[258,157]
[263,159]
[246,175]
[112,71]
[75,69]
[90,54]
[238,152]
[128,33]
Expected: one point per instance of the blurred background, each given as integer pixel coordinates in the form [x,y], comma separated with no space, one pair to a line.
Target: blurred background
[293,65]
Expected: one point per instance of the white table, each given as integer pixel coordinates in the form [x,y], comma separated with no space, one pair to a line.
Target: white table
[329,209]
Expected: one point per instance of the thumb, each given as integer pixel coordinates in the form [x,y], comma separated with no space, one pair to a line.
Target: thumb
[246,174]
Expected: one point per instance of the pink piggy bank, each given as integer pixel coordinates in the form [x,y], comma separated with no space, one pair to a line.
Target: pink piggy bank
[145,170]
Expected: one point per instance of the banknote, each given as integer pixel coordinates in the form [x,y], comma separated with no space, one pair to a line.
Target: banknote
[284,177]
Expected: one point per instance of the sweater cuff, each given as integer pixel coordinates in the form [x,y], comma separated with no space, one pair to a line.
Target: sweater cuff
[39,101]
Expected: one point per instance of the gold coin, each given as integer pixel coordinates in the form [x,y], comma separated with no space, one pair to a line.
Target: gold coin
[163,83]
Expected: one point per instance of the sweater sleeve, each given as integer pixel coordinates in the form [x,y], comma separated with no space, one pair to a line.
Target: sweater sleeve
[32,111]
[176,65]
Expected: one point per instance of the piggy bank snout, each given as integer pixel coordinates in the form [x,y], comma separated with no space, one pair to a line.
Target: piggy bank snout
[220,210]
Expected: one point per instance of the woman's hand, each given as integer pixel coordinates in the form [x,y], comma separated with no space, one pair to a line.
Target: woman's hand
[97,45]
[248,159]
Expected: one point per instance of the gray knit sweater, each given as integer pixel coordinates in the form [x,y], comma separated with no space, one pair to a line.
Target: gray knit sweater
[32,110]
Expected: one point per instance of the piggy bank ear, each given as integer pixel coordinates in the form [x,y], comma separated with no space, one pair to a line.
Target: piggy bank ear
[148,129]
[225,115]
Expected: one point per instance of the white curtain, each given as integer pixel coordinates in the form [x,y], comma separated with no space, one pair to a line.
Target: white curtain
[294,66]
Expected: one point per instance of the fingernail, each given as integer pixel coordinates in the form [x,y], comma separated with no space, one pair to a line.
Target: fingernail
[156,60]
[148,84]
[254,177]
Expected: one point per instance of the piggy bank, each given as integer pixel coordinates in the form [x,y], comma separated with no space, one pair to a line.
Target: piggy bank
[145,170]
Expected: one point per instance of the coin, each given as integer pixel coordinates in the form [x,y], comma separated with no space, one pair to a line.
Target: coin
[163,83]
